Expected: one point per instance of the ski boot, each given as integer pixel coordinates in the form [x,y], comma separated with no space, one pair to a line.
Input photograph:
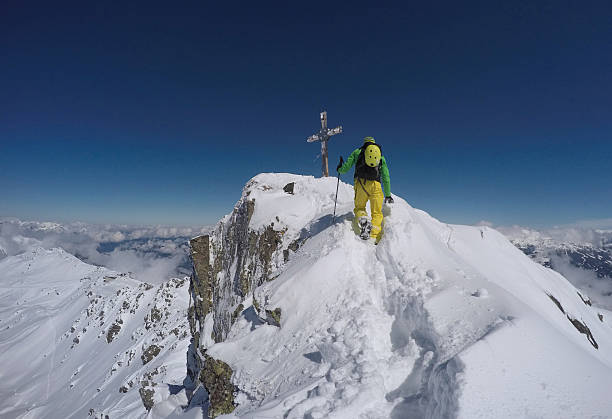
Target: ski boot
[365,227]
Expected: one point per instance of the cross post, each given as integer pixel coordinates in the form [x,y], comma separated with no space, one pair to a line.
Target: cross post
[323,137]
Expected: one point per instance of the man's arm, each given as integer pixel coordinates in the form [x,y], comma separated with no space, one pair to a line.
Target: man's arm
[349,162]
[384,176]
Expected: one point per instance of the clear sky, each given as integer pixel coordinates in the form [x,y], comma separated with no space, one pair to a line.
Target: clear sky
[159,112]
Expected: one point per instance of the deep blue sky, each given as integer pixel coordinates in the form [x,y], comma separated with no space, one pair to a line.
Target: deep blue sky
[159,112]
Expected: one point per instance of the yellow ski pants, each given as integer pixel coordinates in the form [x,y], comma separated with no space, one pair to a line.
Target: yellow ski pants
[369,190]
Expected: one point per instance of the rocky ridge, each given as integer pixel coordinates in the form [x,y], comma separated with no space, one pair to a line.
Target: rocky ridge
[228,264]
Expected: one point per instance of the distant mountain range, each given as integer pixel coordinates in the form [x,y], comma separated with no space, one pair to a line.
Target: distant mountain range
[583,256]
[150,253]
[588,257]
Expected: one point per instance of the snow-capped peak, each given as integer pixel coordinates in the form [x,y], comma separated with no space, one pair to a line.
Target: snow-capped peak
[436,321]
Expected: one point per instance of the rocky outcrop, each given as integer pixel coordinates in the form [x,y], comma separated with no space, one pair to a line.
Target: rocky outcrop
[228,264]
[579,325]
[216,377]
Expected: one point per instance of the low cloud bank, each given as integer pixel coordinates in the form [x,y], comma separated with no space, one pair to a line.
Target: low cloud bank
[599,290]
[591,240]
[575,234]
[152,253]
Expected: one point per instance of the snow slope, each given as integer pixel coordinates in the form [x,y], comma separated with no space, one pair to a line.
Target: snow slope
[437,321]
[74,339]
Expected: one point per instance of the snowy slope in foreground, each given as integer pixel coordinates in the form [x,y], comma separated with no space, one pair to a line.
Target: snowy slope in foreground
[436,321]
[80,341]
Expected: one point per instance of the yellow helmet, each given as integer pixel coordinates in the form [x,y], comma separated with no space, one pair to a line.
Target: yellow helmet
[369,140]
[372,155]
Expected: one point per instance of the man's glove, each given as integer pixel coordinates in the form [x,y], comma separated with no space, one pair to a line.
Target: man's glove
[340,164]
[388,200]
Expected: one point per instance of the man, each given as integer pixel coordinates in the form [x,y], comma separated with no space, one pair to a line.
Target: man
[370,169]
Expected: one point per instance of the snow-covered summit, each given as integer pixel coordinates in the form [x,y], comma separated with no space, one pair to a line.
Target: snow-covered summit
[436,321]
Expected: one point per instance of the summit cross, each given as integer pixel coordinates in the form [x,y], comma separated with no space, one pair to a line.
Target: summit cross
[323,136]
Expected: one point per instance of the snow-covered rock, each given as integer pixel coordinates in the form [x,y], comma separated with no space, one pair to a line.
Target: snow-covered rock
[304,319]
[78,340]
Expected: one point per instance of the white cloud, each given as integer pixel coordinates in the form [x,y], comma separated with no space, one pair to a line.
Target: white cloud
[597,289]
[152,253]
[596,223]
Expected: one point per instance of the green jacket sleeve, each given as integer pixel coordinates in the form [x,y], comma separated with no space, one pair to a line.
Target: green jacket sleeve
[349,162]
[384,176]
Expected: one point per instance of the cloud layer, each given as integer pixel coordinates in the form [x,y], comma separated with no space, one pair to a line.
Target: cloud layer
[152,253]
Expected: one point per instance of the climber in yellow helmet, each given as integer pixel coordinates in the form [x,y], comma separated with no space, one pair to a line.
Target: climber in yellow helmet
[370,169]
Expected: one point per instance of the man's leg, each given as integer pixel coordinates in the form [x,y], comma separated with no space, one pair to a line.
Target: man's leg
[376,203]
[361,199]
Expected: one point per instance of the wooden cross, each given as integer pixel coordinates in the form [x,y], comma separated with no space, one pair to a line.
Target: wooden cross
[323,136]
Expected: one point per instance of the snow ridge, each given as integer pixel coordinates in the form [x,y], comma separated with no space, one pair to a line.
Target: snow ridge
[399,329]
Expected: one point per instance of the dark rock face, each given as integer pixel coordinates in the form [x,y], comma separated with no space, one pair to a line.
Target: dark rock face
[146,395]
[150,353]
[289,188]
[228,264]
[216,377]
[273,317]
[201,278]
[112,332]
[584,329]
[579,325]
[237,312]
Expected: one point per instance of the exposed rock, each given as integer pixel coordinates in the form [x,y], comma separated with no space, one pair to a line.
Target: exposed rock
[200,285]
[146,395]
[237,312]
[228,265]
[153,317]
[293,246]
[583,328]
[192,320]
[586,300]
[112,332]
[150,353]
[256,305]
[216,376]
[289,188]
[273,317]
[600,317]
[580,326]
[557,303]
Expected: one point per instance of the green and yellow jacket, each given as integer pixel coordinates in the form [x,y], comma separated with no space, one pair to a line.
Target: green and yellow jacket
[384,170]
